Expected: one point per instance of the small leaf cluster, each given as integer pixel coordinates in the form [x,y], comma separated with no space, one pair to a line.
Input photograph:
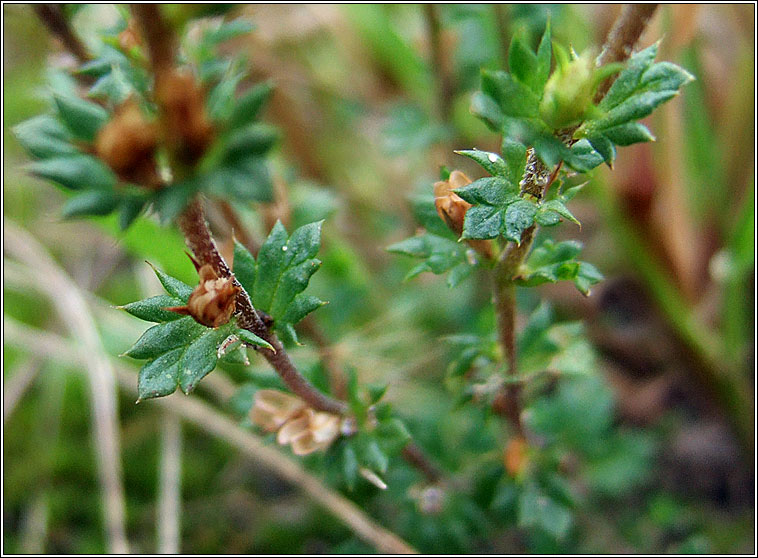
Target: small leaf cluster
[65,142]
[276,279]
[535,107]
[437,246]
[180,352]
[380,435]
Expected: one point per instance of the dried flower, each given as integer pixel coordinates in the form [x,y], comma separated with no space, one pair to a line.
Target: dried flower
[452,208]
[272,408]
[127,144]
[305,429]
[213,301]
[309,431]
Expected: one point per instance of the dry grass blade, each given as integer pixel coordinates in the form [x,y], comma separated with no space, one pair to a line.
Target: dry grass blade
[46,275]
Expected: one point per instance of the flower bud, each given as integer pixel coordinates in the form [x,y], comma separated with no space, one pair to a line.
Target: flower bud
[569,91]
[213,301]
[127,144]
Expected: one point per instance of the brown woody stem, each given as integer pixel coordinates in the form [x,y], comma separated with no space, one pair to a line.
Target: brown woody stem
[622,38]
[198,237]
[618,47]
[52,16]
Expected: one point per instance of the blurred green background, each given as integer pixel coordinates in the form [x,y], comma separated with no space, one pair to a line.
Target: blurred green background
[371,100]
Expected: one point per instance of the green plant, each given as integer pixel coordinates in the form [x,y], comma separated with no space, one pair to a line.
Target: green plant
[153,135]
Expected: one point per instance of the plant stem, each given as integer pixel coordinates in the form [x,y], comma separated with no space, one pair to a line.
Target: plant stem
[195,229]
[622,38]
[618,46]
[52,16]
[445,85]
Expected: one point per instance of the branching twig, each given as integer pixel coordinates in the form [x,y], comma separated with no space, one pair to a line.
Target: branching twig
[537,178]
[198,237]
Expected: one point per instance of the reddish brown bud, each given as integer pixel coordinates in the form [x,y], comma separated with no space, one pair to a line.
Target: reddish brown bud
[129,37]
[516,456]
[213,301]
[188,128]
[127,144]
[452,208]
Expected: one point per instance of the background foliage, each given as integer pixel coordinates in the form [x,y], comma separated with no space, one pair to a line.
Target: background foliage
[366,117]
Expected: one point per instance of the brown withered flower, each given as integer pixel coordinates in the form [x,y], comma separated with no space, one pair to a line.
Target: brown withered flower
[296,424]
[213,301]
[309,431]
[127,143]
[452,209]
[188,127]
[272,408]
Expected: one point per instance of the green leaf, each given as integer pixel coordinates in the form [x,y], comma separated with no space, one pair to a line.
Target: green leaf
[281,273]
[519,216]
[249,106]
[628,80]
[256,139]
[627,134]
[439,254]
[558,207]
[76,172]
[251,338]
[113,86]
[374,458]
[604,147]
[541,71]
[201,355]
[512,97]
[152,309]
[95,202]
[634,108]
[486,108]
[522,62]
[490,190]
[424,211]
[82,118]
[349,466]
[44,137]
[159,377]
[552,262]
[393,434]
[537,510]
[221,99]
[227,31]
[174,287]
[491,162]
[164,337]
[482,222]
[514,155]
